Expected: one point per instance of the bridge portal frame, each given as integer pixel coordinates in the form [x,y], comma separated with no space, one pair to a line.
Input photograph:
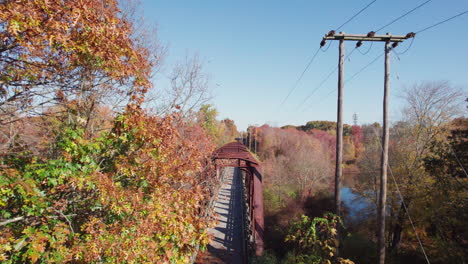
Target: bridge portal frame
[235,154]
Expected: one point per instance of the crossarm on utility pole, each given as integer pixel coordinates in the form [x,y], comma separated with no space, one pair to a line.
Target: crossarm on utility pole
[355,37]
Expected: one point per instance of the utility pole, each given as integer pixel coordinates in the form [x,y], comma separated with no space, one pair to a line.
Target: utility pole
[339,135]
[339,130]
[384,160]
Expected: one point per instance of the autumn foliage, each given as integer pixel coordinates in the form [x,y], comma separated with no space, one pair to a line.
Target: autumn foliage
[53,50]
[296,164]
[79,181]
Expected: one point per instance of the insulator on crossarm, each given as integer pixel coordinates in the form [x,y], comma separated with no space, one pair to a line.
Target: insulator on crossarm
[394,44]
[359,44]
[323,42]
[411,35]
[331,33]
[371,34]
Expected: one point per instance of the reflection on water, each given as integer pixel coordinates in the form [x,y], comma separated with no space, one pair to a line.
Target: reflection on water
[358,206]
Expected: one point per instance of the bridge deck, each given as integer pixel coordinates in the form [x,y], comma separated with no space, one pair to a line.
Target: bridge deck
[227,243]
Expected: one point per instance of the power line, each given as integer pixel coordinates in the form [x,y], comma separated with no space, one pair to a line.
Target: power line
[427,28]
[363,68]
[370,47]
[350,78]
[300,77]
[355,15]
[315,55]
[406,50]
[402,16]
[441,22]
[318,86]
[323,81]
[325,50]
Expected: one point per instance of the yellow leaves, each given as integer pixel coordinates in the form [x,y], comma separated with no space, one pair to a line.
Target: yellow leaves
[81,32]
[14,28]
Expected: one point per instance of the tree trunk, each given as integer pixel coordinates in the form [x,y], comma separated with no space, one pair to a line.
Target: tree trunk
[398,228]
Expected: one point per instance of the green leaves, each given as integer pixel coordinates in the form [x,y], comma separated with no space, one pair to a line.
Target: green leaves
[316,240]
[119,190]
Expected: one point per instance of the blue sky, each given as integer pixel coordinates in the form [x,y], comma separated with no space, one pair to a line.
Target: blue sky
[255,50]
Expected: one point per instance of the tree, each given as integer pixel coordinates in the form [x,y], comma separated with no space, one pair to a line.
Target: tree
[417,141]
[230,130]
[143,187]
[430,106]
[189,89]
[447,163]
[134,192]
[296,164]
[58,51]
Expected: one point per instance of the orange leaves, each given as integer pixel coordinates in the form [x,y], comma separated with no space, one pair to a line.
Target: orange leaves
[54,42]
[155,197]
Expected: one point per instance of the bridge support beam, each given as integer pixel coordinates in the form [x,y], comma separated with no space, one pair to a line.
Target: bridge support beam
[258,211]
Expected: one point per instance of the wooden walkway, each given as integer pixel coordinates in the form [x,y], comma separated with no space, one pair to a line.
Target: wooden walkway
[227,243]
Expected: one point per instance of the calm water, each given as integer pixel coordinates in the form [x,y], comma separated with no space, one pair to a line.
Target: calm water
[356,204]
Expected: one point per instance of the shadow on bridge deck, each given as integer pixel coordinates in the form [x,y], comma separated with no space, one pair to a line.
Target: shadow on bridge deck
[227,243]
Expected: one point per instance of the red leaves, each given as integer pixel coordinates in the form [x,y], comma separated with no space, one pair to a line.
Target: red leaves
[158,204]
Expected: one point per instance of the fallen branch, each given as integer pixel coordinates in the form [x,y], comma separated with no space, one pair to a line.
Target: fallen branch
[13,220]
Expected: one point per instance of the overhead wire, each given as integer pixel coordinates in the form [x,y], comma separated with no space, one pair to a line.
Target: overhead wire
[406,50]
[355,15]
[441,22]
[324,81]
[422,30]
[300,77]
[370,47]
[315,54]
[363,68]
[402,16]
[381,28]
[395,20]
[350,78]
[386,25]
[325,50]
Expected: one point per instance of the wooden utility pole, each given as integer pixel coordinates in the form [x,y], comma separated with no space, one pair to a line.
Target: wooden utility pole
[388,39]
[339,131]
[384,160]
